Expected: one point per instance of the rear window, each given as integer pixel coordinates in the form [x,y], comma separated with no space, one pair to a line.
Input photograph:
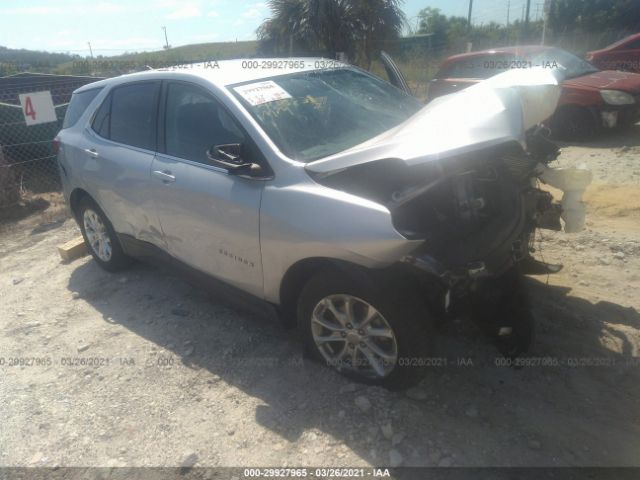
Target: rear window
[128,115]
[79,103]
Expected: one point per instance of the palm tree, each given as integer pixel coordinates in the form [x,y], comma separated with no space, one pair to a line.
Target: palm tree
[289,23]
[357,27]
[381,21]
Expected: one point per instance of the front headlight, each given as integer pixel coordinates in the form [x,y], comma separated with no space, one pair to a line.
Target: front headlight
[616,97]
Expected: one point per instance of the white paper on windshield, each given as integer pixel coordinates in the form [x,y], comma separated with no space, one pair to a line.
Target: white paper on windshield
[262,92]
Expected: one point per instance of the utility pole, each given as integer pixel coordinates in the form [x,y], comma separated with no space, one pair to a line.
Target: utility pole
[90,50]
[526,18]
[166,40]
[469,16]
[545,19]
[508,13]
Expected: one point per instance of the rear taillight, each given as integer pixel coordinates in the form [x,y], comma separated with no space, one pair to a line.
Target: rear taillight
[55,145]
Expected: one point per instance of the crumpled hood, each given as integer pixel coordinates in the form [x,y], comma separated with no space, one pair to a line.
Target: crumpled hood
[496,111]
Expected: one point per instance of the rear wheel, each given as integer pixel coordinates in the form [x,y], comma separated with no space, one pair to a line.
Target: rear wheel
[100,237]
[377,336]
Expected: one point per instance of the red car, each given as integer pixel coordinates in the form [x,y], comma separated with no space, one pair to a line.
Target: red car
[622,55]
[590,99]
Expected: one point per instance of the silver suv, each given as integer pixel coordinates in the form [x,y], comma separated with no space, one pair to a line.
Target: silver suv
[362,215]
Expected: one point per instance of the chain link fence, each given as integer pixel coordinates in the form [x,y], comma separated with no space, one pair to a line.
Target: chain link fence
[28,166]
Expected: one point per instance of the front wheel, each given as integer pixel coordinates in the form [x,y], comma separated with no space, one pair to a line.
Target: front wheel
[377,336]
[501,309]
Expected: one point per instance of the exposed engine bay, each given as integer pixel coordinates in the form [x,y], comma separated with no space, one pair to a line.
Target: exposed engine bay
[475,196]
[476,212]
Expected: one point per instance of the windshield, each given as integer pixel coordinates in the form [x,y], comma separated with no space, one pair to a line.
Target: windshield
[310,115]
[570,65]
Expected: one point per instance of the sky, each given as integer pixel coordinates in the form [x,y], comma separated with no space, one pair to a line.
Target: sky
[116,26]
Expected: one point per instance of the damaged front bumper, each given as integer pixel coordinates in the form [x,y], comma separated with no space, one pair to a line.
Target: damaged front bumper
[511,207]
[462,176]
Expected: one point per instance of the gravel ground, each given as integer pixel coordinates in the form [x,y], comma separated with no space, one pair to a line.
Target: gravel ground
[181,377]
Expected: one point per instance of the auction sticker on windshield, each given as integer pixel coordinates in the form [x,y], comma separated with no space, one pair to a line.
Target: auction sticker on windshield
[262,92]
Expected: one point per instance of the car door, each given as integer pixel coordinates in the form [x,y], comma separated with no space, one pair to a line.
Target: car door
[210,218]
[395,75]
[119,147]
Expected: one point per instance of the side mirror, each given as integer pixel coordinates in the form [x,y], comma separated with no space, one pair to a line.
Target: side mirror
[228,157]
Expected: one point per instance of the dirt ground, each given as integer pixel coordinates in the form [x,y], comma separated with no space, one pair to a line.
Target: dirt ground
[179,377]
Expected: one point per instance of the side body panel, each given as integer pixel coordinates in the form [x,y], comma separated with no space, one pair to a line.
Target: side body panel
[115,175]
[210,220]
[300,219]
[119,180]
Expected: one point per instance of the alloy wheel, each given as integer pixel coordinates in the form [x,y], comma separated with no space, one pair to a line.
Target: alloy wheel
[353,335]
[97,235]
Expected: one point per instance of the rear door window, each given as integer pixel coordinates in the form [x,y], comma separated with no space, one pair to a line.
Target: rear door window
[129,115]
[134,113]
[78,105]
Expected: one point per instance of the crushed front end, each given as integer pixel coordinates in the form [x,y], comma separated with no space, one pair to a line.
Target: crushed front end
[463,176]
[479,217]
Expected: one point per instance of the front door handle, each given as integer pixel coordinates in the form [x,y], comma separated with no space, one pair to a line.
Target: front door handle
[165,175]
[92,152]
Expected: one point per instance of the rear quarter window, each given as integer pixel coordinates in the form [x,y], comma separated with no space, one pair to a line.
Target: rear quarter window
[78,105]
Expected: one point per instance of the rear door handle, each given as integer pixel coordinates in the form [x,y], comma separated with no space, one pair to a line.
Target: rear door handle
[165,175]
[92,152]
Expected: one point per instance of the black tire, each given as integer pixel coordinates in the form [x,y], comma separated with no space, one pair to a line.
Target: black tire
[406,315]
[503,304]
[117,259]
[573,124]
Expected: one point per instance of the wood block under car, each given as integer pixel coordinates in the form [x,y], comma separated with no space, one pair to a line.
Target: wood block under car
[73,249]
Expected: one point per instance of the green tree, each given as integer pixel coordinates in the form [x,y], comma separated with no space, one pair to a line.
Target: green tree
[289,24]
[379,22]
[357,27]
[594,15]
[435,23]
